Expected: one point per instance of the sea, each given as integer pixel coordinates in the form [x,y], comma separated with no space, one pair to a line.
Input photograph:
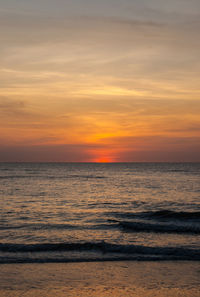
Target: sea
[79,212]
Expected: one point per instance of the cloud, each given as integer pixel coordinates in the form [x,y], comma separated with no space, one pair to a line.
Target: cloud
[12,107]
[160,156]
[7,104]
[45,153]
[88,30]
[133,149]
[160,149]
[136,52]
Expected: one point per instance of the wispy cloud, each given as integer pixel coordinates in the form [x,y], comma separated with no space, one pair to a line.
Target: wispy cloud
[99,78]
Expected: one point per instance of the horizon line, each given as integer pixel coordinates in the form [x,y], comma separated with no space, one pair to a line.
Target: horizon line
[92,162]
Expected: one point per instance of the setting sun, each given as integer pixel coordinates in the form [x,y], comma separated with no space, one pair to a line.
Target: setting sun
[103,160]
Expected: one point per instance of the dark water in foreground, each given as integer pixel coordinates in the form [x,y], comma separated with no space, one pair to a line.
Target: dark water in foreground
[63,212]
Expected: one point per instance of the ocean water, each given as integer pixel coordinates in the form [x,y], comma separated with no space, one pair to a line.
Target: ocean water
[70,212]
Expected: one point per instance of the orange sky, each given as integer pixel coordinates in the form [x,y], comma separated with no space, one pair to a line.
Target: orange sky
[98,82]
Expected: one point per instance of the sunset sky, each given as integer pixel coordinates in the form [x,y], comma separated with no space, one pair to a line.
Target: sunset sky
[100,81]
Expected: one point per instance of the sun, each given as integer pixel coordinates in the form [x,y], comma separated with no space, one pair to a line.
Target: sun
[103,156]
[103,159]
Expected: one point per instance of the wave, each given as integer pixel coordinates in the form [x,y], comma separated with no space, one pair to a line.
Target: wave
[163,214]
[159,228]
[57,226]
[108,252]
[45,260]
[40,226]
[169,214]
[51,176]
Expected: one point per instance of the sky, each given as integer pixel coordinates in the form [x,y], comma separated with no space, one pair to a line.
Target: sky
[99,81]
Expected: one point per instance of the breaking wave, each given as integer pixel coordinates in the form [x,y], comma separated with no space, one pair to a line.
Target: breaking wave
[159,228]
[162,215]
[104,252]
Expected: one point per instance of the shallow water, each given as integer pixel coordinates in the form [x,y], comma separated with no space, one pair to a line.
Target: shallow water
[62,212]
[101,279]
